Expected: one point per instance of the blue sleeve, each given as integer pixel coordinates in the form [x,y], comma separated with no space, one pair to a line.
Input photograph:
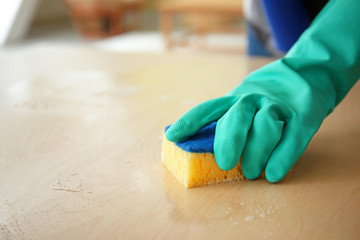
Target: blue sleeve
[288,19]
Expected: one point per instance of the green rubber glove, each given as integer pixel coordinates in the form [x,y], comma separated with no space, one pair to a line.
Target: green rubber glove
[269,119]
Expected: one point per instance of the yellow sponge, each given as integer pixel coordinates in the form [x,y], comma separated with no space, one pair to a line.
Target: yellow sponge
[196,169]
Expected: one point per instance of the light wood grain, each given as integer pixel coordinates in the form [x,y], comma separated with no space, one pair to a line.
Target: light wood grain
[91,122]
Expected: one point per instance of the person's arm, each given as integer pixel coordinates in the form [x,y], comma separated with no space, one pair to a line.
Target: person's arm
[328,54]
[269,119]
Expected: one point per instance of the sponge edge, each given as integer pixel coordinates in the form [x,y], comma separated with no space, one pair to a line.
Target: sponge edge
[196,169]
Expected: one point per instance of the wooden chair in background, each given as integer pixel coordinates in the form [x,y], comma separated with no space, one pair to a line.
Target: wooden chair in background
[104,18]
[200,17]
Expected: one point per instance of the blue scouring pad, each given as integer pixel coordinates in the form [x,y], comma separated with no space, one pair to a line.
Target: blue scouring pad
[201,142]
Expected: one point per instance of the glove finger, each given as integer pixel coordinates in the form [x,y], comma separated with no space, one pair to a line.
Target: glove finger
[196,118]
[231,133]
[264,135]
[291,146]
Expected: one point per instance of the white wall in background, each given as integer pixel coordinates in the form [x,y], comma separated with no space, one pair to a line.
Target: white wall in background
[15,19]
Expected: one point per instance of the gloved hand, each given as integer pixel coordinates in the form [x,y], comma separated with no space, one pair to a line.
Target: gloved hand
[269,119]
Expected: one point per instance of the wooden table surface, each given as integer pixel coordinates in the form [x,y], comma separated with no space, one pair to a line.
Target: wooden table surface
[80,154]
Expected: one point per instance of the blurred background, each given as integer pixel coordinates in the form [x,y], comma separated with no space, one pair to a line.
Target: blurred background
[256,27]
[126,25]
